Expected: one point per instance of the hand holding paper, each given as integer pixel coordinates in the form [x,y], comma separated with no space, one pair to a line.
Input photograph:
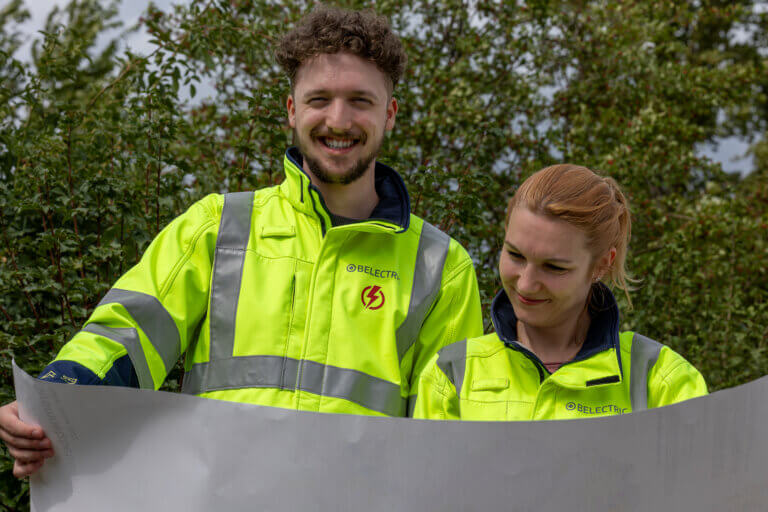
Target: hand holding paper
[26,443]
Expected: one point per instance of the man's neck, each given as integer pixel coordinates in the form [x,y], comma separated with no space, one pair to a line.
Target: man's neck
[356,200]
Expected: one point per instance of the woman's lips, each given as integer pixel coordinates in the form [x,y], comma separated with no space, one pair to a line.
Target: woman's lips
[529,301]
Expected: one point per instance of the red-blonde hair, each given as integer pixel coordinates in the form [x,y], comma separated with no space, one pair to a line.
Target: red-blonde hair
[592,203]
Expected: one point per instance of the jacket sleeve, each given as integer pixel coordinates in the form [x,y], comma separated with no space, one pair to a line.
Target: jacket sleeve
[145,322]
[437,398]
[673,379]
[455,315]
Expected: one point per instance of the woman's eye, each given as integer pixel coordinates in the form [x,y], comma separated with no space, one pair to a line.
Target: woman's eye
[555,268]
[515,255]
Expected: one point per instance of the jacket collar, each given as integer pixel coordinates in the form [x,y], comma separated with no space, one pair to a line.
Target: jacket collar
[603,333]
[394,206]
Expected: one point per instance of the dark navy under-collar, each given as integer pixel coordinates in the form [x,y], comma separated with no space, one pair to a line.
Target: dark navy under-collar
[394,203]
[603,333]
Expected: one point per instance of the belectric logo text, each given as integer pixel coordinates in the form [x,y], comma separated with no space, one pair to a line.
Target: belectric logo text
[373,271]
[595,409]
[372,297]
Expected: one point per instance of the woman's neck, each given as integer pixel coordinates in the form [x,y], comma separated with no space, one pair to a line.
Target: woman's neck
[555,344]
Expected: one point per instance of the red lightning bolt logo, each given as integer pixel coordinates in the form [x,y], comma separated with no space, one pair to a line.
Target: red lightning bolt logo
[374,295]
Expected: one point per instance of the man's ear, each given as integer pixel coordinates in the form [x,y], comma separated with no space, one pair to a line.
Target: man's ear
[391,113]
[290,106]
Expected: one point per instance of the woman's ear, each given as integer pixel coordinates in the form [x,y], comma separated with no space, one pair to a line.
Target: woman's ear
[604,264]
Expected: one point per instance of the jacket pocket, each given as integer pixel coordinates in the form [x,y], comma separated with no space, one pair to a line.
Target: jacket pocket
[266,306]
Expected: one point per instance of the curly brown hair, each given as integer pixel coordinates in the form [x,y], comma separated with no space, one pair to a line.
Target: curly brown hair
[332,30]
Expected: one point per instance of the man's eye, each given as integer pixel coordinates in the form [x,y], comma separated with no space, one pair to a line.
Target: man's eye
[365,101]
[317,99]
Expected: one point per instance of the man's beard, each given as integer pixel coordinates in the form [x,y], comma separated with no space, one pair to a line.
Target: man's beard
[324,176]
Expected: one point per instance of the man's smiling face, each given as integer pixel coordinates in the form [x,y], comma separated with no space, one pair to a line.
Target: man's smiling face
[340,108]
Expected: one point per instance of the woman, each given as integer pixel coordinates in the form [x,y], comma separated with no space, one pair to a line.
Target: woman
[557,352]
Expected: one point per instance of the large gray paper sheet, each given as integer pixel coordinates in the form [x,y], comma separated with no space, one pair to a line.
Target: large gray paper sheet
[123,449]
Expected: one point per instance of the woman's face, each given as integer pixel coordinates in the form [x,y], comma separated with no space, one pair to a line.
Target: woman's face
[546,268]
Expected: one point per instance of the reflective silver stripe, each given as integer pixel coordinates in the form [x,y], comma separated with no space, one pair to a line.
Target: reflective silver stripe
[452,360]
[645,353]
[282,372]
[128,338]
[232,240]
[242,372]
[427,274]
[353,385]
[152,318]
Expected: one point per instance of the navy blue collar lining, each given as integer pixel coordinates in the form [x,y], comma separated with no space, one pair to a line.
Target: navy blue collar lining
[603,333]
[394,203]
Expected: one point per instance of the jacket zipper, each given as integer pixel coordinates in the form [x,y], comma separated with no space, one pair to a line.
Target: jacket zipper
[543,372]
[323,228]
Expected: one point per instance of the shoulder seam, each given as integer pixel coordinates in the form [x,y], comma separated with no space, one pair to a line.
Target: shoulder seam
[460,268]
[184,258]
[438,387]
[666,375]
[486,354]
[259,199]
[203,204]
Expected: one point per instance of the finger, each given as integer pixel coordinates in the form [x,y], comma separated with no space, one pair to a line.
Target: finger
[27,456]
[25,443]
[20,469]
[10,422]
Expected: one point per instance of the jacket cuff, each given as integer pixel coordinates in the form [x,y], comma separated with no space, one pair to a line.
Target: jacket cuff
[70,372]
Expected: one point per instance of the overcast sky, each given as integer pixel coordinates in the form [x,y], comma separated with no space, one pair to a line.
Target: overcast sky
[130,11]
[728,152]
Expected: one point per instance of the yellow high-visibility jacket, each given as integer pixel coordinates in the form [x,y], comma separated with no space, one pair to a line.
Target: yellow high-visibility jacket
[495,378]
[275,305]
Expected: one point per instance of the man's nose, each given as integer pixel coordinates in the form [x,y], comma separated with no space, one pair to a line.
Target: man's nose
[339,116]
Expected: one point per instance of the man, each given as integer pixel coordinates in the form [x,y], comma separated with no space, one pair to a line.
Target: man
[323,293]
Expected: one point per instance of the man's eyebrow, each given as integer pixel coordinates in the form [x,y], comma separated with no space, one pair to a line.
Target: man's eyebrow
[324,92]
[550,260]
[362,92]
[315,92]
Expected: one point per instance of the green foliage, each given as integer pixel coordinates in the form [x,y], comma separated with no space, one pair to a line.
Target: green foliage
[100,148]
[705,283]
